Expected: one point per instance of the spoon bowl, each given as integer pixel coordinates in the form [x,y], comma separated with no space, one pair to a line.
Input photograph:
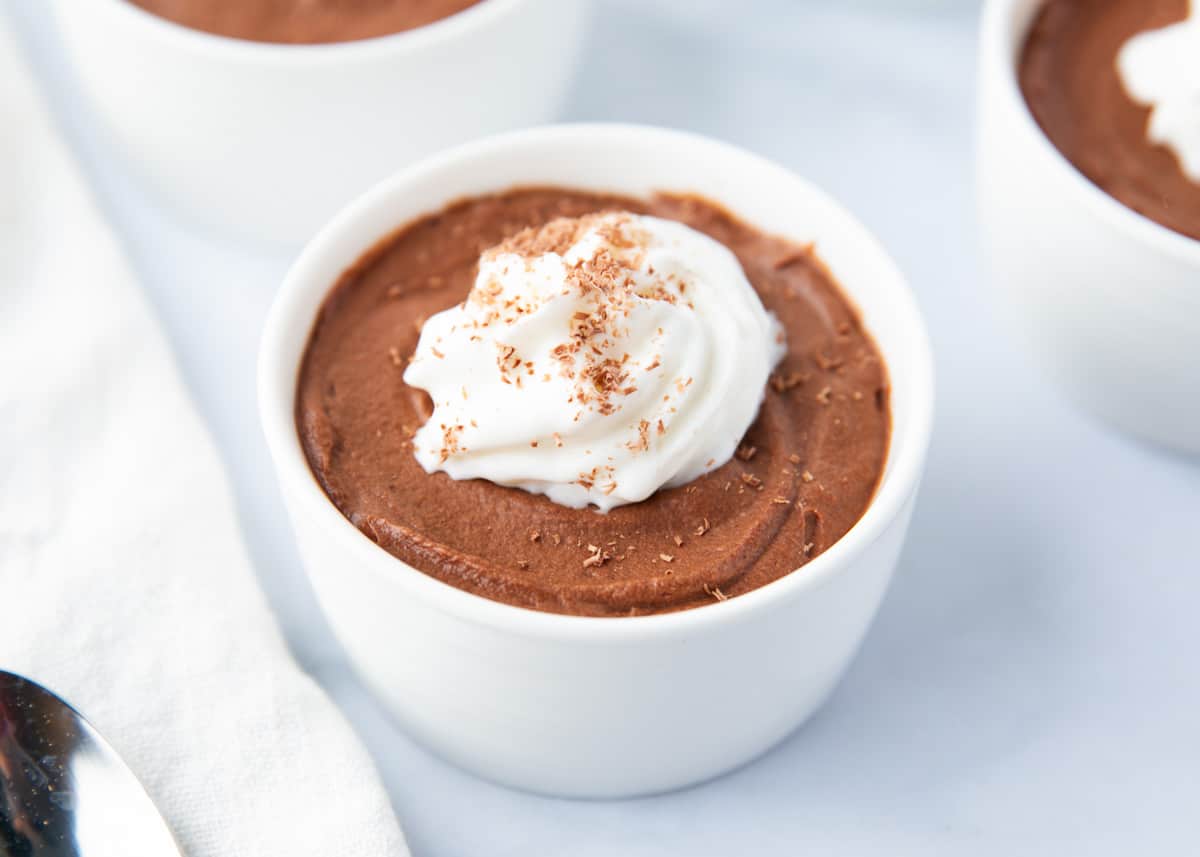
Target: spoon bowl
[64,791]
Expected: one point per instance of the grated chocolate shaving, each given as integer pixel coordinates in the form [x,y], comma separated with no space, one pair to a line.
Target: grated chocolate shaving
[598,557]
[716,592]
[783,383]
[826,363]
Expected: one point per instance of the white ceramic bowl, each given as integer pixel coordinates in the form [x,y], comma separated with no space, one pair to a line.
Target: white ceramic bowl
[1109,300]
[271,140]
[601,707]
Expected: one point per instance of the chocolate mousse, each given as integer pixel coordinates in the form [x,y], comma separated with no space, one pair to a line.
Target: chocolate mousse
[1070,79]
[802,475]
[304,21]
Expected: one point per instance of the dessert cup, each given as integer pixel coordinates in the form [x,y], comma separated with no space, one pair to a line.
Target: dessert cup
[270,140]
[1108,300]
[602,707]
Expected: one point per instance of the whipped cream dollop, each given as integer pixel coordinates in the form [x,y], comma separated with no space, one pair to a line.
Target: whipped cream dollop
[596,360]
[1161,69]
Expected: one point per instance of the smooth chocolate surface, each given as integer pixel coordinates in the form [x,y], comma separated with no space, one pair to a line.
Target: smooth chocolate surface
[304,21]
[807,470]
[1069,77]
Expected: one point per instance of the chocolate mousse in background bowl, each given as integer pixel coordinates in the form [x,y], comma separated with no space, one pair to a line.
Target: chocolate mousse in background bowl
[1089,183]
[600,444]
[263,117]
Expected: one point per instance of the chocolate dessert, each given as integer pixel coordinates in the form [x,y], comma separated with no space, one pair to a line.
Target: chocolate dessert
[803,474]
[304,21]
[1070,79]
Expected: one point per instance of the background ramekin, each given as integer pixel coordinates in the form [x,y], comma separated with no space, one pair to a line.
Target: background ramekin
[1108,300]
[271,140]
[601,707]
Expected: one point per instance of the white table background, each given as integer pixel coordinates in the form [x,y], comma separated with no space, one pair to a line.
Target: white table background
[1032,683]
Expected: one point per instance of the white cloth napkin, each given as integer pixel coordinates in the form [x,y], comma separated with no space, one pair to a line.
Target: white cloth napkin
[124,584]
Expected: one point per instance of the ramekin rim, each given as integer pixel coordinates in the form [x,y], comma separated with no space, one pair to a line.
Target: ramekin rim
[247,50]
[1000,49]
[899,485]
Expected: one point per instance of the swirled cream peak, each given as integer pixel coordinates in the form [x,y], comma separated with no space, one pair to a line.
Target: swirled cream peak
[1161,69]
[596,360]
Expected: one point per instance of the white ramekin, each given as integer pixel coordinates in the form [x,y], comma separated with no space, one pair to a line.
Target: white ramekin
[1108,299]
[601,707]
[270,140]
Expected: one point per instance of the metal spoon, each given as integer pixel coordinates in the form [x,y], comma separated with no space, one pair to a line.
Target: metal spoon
[64,792]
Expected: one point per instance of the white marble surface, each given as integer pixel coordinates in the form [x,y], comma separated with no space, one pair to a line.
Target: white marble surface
[1032,683]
